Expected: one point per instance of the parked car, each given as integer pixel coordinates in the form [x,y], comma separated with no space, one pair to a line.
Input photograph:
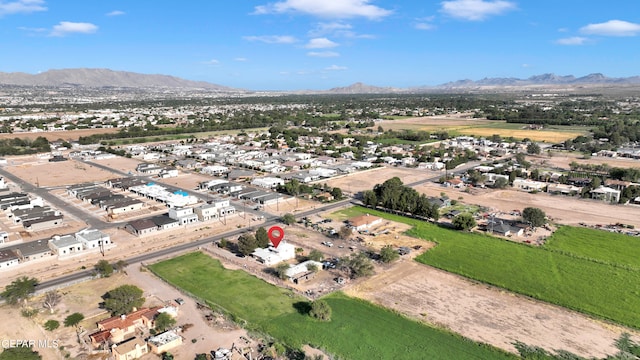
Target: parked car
[180,301]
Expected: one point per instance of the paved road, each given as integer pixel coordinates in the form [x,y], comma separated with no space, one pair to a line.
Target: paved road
[270,220]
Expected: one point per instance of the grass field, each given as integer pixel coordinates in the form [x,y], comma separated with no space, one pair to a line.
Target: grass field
[358,329]
[571,272]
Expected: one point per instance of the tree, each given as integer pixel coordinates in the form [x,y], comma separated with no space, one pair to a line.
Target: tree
[104,268]
[315,255]
[122,300]
[464,221]
[120,265]
[320,310]
[288,219]
[20,290]
[51,325]
[281,270]
[166,356]
[247,243]
[388,254]
[336,192]
[262,238]
[533,148]
[534,216]
[19,353]
[345,232]
[73,319]
[370,198]
[51,299]
[164,321]
[358,265]
[501,183]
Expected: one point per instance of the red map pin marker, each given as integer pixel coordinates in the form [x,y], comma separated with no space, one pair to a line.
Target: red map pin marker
[276,234]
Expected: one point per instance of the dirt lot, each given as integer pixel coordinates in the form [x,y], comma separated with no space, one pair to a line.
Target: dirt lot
[483,313]
[366,180]
[561,209]
[44,173]
[563,159]
[56,135]
[120,163]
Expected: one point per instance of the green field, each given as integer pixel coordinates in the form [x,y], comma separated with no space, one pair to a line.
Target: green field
[358,329]
[570,272]
[611,248]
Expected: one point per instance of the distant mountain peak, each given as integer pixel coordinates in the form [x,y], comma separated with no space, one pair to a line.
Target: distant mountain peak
[361,88]
[104,78]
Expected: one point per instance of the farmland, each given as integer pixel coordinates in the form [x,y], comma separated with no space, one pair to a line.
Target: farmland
[481,127]
[358,329]
[567,278]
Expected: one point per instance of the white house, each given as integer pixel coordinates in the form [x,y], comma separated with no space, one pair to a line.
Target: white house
[301,272]
[271,255]
[323,172]
[528,185]
[93,239]
[8,258]
[65,245]
[183,214]
[267,182]
[206,212]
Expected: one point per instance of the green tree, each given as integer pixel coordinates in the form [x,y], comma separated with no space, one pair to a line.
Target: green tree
[262,238]
[19,353]
[388,254]
[320,310]
[534,216]
[122,300]
[104,268]
[315,255]
[247,243]
[336,192]
[163,322]
[501,183]
[370,198]
[73,319]
[533,148]
[288,219]
[464,221]
[357,265]
[51,325]
[281,270]
[20,290]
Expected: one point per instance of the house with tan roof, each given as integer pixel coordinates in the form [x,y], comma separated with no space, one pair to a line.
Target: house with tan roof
[364,222]
[133,348]
[124,326]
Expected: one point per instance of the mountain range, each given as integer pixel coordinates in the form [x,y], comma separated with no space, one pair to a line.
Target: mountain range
[123,79]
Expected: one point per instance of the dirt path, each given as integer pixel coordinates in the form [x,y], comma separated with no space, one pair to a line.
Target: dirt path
[483,313]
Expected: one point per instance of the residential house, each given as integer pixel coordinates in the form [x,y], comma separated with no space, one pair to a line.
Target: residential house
[124,326]
[65,245]
[44,223]
[133,348]
[272,255]
[268,182]
[93,239]
[8,258]
[605,194]
[164,342]
[206,212]
[164,222]
[303,272]
[528,185]
[563,189]
[32,250]
[364,222]
[184,215]
[141,227]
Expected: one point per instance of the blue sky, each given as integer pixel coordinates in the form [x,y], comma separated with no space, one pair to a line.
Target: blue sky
[320,44]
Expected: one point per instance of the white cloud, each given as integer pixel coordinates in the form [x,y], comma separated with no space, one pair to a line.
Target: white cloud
[424,26]
[67,27]
[272,39]
[475,10]
[320,43]
[115,13]
[21,7]
[323,54]
[612,28]
[575,40]
[213,62]
[335,68]
[339,9]
[241,59]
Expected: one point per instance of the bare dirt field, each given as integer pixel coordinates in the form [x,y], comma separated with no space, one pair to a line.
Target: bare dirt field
[563,159]
[484,313]
[366,180]
[44,173]
[561,209]
[56,135]
[120,163]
